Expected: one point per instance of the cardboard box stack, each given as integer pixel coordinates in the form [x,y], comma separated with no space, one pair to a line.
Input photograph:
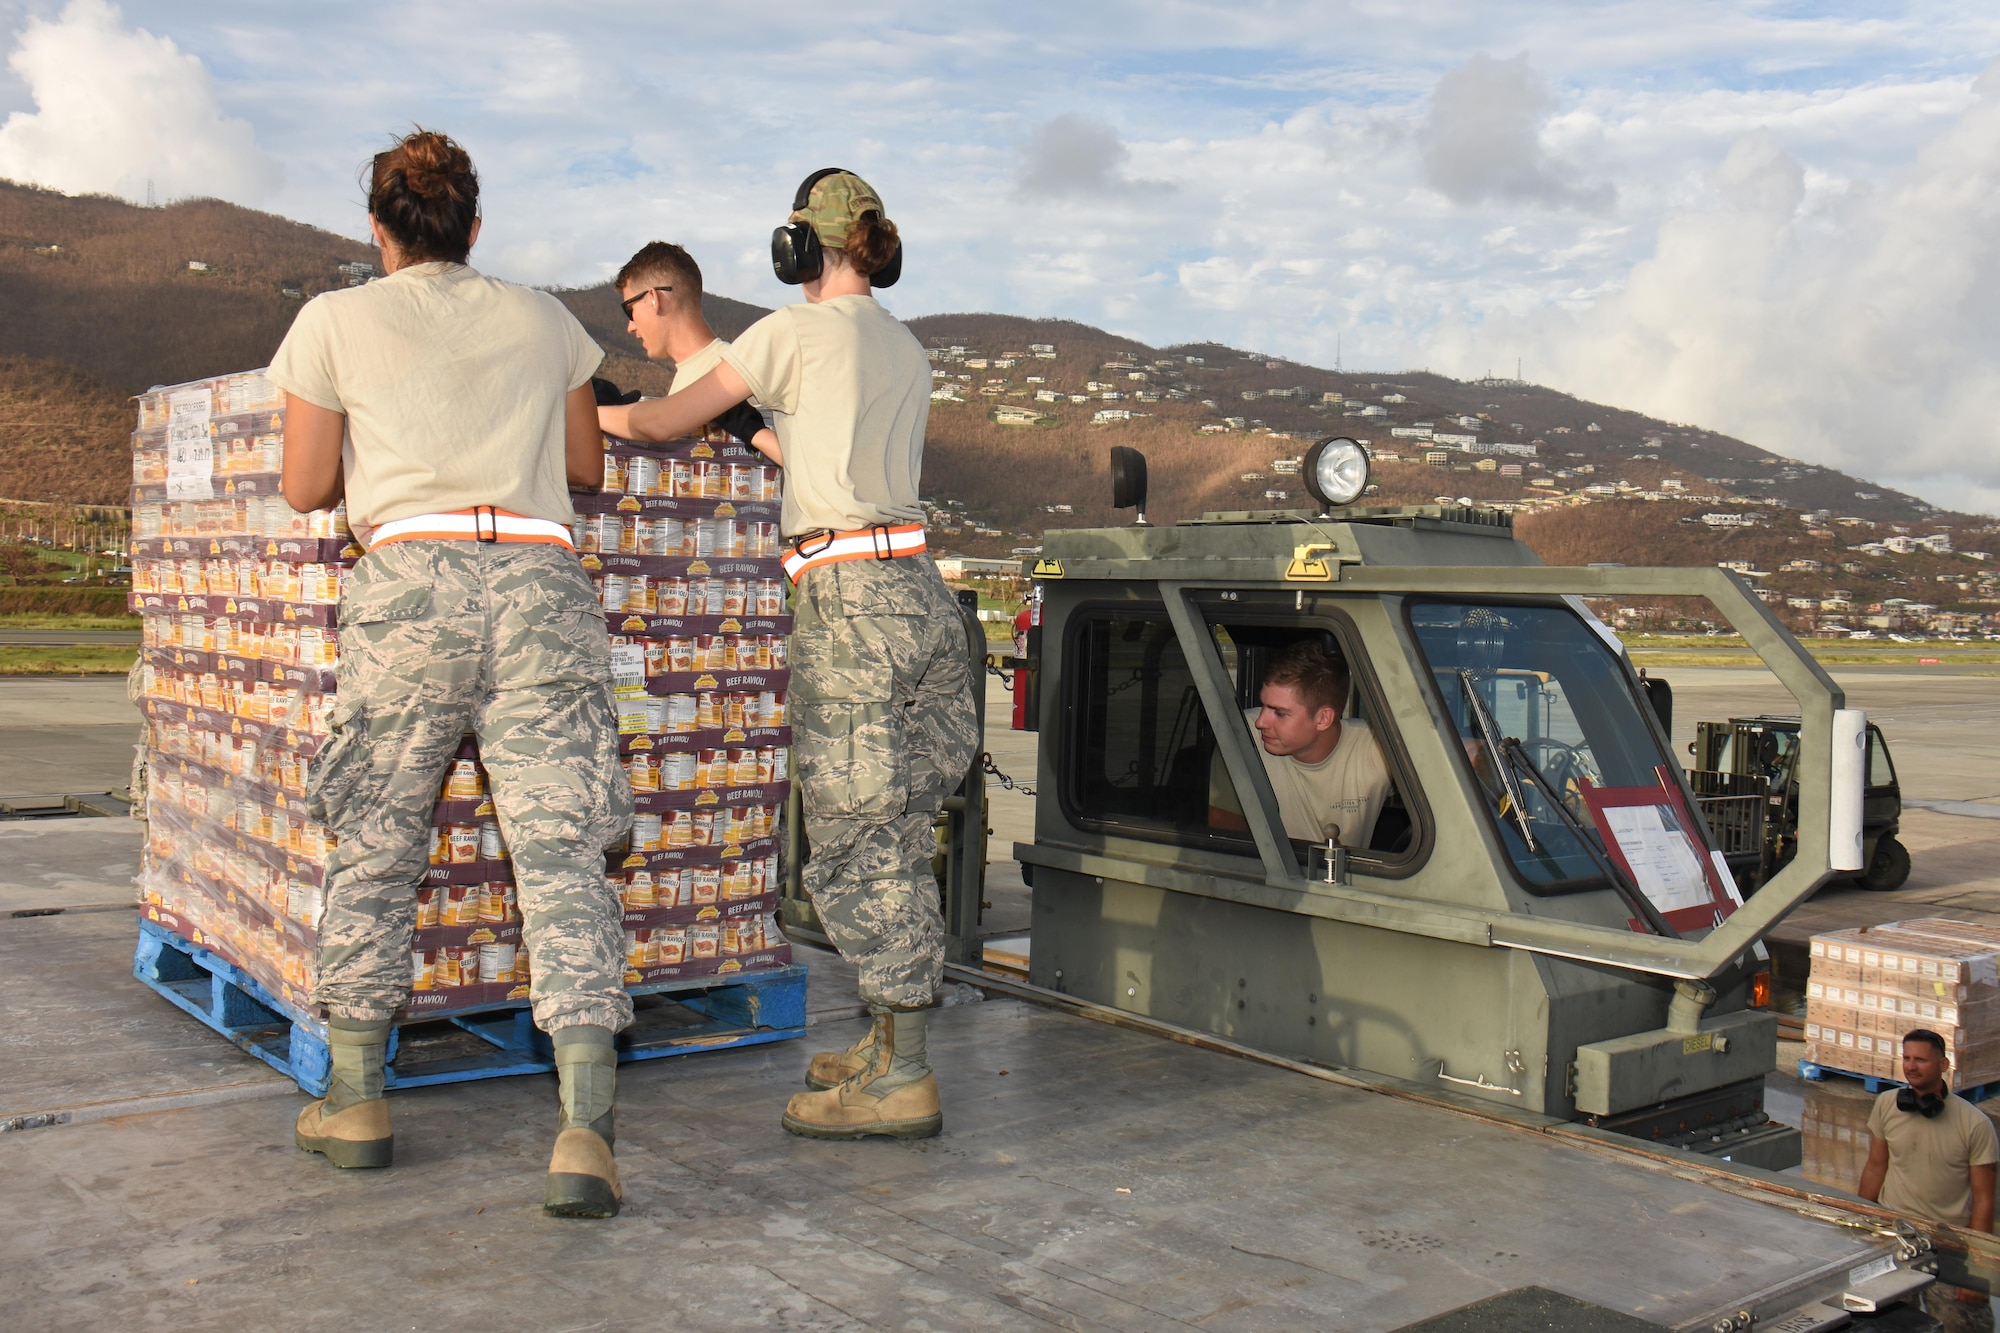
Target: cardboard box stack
[1869,986]
[1834,1139]
[238,594]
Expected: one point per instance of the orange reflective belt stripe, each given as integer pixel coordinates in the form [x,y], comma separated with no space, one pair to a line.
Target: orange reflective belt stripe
[882,542]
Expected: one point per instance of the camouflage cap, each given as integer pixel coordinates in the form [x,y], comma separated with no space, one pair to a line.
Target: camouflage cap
[835,203]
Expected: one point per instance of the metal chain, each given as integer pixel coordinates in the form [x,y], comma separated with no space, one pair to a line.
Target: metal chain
[987,766]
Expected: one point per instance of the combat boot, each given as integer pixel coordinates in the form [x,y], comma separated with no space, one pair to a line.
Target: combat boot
[894,1096]
[830,1069]
[583,1174]
[350,1125]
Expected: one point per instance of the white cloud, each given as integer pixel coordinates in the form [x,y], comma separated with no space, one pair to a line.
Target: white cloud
[117,107]
[1076,155]
[1482,139]
[1282,175]
[1859,329]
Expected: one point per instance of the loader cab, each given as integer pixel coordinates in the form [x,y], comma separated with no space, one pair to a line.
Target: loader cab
[1539,915]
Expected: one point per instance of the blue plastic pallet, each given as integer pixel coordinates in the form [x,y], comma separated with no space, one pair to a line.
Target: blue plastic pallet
[708,1014]
[1816,1073]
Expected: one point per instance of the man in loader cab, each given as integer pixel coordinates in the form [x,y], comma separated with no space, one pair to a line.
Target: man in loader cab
[1326,770]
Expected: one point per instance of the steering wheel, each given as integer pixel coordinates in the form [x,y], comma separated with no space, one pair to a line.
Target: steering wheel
[1561,763]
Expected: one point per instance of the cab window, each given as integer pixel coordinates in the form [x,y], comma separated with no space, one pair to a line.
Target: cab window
[1375,794]
[1142,757]
[1881,773]
[1539,677]
[1139,754]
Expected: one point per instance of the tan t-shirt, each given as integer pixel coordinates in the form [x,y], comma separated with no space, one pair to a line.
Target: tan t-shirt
[1930,1158]
[850,390]
[1343,792]
[453,386]
[698,364]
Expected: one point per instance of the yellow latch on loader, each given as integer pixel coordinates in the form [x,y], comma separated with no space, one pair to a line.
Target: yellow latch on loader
[1307,565]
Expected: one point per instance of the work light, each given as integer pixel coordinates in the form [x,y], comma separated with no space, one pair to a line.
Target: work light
[1336,471]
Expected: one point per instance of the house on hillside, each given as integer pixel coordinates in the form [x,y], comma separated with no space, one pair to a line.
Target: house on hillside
[1042,351]
[1106,415]
[1011,414]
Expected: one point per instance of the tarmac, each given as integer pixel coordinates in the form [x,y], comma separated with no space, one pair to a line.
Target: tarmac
[1088,1177]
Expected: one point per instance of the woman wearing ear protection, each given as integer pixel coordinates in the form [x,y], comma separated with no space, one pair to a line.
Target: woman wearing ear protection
[883,725]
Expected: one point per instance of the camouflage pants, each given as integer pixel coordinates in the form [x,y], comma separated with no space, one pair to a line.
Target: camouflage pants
[441,638]
[1941,1303]
[883,729]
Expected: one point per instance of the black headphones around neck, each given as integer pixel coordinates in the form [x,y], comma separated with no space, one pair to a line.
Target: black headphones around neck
[1928,1105]
[796,253]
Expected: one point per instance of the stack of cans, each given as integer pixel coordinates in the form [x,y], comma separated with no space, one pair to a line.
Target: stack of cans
[238,593]
[682,545]
[236,677]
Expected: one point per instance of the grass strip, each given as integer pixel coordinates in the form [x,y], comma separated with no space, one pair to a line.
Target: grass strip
[87,660]
[46,620]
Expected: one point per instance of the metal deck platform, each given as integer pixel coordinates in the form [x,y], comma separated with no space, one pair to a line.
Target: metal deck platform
[1088,1176]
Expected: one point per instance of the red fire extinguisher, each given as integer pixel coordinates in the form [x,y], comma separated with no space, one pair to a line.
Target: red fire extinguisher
[1027,645]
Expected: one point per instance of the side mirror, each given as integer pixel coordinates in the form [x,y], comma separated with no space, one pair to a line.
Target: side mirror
[1128,482]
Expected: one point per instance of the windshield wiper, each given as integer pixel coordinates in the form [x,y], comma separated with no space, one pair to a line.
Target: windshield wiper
[1489,732]
[1509,760]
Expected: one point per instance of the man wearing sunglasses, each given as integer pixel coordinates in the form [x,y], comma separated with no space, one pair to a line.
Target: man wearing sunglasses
[660,291]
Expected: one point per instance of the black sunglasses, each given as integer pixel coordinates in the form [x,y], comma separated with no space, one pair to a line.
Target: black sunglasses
[626,305]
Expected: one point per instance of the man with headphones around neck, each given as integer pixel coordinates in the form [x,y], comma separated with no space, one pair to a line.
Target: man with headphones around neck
[1934,1154]
[883,724]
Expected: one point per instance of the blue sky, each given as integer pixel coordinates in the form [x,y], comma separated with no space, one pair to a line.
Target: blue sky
[1774,219]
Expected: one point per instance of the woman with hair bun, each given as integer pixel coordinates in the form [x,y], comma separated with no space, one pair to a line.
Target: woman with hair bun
[883,727]
[453,412]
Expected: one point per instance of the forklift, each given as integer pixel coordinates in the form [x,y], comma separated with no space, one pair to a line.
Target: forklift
[1745,775]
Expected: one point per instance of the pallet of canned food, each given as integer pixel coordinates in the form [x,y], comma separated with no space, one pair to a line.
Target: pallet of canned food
[239,595]
[1868,986]
[682,544]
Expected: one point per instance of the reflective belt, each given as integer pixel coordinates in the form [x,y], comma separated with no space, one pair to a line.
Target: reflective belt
[481,523]
[881,542]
